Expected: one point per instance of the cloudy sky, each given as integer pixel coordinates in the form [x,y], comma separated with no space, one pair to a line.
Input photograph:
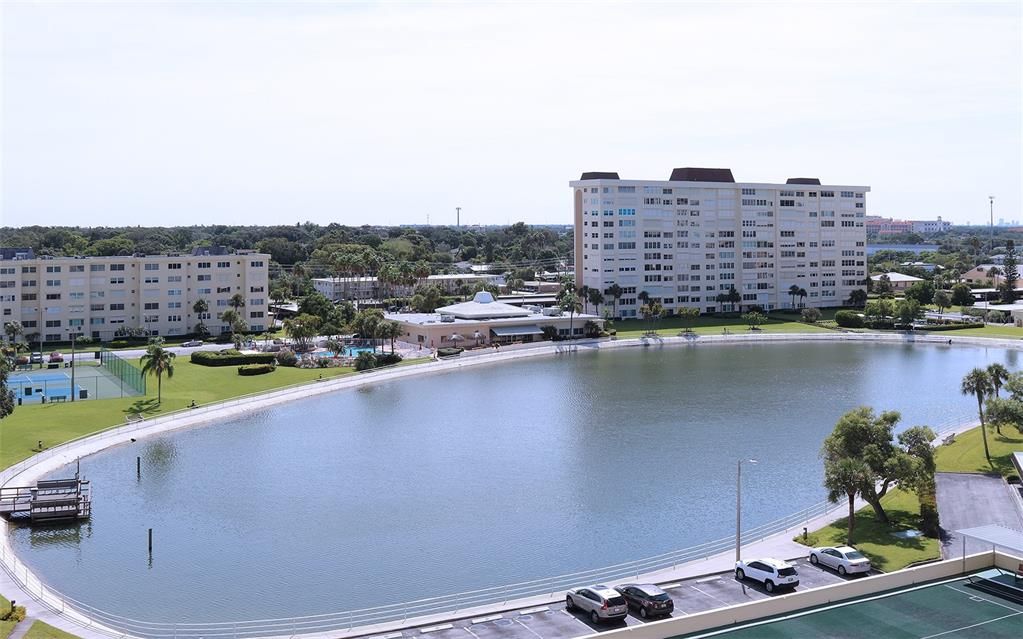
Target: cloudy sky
[254,112]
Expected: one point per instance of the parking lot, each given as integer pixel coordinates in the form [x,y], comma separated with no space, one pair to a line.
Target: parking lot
[689,595]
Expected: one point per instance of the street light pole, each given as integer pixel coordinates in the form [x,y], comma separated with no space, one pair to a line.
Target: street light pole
[72,364]
[738,505]
[991,200]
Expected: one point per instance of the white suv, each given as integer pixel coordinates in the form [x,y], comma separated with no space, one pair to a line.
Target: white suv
[603,603]
[773,573]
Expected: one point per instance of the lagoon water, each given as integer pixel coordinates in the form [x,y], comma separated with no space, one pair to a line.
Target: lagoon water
[462,480]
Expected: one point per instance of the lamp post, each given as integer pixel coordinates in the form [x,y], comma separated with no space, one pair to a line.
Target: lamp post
[73,336]
[991,201]
[738,504]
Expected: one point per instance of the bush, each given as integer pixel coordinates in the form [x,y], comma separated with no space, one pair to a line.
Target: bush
[810,315]
[231,357]
[365,361]
[16,615]
[256,369]
[286,357]
[950,327]
[449,351]
[849,319]
[388,359]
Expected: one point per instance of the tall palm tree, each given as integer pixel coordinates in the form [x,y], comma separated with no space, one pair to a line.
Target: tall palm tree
[998,375]
[844,477]
[237,301]
[802,297]
[616,293]
[584,294]
[568,301]
[596,298]
[13,330]
[157,361]
[978,383]
[793,292]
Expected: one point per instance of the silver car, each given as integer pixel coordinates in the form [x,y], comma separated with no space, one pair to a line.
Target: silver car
[601,602]
[845,559]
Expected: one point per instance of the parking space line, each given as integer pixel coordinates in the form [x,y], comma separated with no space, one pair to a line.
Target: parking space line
[710,595]
[529,629]
[530,611]
[469,630]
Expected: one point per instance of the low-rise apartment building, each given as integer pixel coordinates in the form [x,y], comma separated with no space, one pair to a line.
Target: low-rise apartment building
[877,225]
[696,235]
[55,297]
[370,288]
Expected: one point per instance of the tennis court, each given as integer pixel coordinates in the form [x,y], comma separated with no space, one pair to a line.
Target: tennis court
[91,382]
[985,605]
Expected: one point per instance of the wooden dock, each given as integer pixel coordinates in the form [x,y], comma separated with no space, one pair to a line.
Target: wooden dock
[48,500]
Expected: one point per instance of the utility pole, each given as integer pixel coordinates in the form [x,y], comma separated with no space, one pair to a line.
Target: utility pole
[458,216]
[991,200]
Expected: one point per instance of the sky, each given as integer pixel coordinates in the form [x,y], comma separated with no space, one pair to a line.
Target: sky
[147,113]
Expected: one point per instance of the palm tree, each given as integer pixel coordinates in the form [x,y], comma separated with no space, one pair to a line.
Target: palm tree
[596,298]
[13,330]
[615,292]
[998,375]
[584,294]
[802,297]
[978,383]
[237,301]
[157,361]
[567,301]
[793,292]
[844,477]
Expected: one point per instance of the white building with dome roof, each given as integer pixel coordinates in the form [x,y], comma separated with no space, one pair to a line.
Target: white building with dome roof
[484,320]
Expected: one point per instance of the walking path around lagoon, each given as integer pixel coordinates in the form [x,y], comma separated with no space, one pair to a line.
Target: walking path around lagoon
[33,468]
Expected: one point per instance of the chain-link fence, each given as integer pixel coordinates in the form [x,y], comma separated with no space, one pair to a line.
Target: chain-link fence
[124,370]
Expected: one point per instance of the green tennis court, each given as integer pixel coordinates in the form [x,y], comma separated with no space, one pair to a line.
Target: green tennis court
[953,609]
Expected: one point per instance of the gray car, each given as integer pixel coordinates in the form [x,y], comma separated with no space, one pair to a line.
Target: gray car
[601,602]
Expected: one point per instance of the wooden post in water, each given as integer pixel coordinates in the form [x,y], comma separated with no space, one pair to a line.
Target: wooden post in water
[138,467]
[150,543]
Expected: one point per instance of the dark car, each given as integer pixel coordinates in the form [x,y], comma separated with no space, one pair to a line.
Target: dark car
[647,599]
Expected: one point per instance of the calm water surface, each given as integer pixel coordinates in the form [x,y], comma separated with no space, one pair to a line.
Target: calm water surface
[462,480]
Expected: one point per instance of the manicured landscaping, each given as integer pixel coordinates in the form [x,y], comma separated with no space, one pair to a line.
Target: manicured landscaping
[43,630]
[56,423]
[874,539]
[966,453]
[710,325]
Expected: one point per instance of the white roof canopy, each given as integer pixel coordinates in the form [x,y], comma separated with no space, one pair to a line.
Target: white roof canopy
[996,536]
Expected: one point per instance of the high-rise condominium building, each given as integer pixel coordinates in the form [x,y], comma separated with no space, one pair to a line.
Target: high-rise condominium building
[54,297]
[689,238]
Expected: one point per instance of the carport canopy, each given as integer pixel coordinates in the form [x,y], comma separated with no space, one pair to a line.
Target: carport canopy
[996,535]
[510,331]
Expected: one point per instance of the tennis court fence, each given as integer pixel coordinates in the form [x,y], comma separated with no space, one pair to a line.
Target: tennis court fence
[123,370]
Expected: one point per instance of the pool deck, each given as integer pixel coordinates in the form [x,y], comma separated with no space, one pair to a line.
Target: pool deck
[49,606]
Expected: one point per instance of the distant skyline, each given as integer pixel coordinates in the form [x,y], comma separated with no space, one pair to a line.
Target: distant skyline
[148,113]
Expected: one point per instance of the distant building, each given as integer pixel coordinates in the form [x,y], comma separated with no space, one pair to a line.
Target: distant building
[369,288]
[54,297]
[685,240]
[981,274]
[484,320]
[877,225]
[900,281]
[923,266]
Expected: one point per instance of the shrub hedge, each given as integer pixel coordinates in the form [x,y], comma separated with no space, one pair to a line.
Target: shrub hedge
[449,351]
[231,357]
[256,369]
[849,319]
[388,359]
[950,327]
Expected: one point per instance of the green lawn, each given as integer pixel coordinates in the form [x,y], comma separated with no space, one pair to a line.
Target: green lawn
[56,423]
[966,454]
[874,539]
[710,325]
[43,630]
[995,331]
[5,626]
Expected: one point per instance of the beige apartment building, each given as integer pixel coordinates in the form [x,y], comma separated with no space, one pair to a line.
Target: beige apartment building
[54,297]
[689,238]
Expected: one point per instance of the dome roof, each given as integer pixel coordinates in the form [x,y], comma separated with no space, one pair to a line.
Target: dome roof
[483,297]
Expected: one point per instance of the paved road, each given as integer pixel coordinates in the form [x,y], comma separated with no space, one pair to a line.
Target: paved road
[691,596]
[966,500]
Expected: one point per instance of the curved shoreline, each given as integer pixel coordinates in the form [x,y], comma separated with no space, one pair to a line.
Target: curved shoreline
[33,468]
